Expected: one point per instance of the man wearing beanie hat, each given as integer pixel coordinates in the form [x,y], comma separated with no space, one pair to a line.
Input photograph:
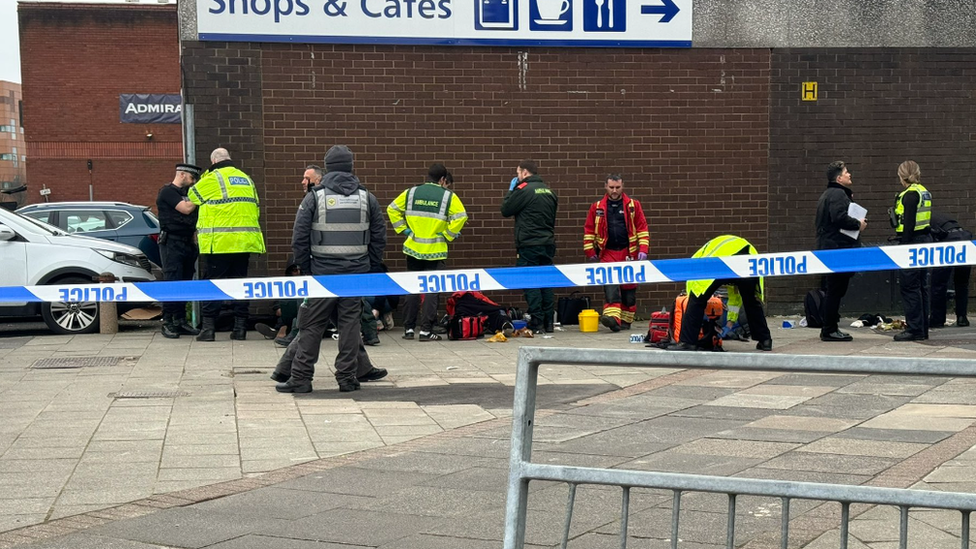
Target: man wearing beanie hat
[430,215]
[177,250]
[339,229]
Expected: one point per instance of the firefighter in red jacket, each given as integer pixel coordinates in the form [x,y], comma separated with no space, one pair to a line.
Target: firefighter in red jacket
[616,230]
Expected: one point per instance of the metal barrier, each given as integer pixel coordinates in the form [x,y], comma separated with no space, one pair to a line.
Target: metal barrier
[522,470]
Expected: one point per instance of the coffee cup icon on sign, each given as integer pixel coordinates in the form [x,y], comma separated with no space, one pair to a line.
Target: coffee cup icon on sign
[551,12]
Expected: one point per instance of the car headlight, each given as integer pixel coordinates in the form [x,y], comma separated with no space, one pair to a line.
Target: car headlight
[122,258]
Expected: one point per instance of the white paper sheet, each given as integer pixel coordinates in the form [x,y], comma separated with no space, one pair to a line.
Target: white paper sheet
[856,211]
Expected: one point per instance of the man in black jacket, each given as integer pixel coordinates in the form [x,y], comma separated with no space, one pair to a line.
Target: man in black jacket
[832,217]
[339,229]
[946,229]
[534,205]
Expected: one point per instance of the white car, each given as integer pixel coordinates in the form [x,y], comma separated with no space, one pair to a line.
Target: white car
[34,253]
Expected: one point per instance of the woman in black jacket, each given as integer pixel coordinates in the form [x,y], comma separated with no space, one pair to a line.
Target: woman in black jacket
[832,217]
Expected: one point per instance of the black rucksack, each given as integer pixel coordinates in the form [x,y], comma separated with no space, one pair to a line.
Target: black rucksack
[813,308]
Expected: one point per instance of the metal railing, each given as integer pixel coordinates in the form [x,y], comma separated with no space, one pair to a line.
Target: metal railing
[522,470]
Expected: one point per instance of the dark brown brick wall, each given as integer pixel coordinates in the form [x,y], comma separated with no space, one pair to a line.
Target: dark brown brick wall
[877,108]
[687,129]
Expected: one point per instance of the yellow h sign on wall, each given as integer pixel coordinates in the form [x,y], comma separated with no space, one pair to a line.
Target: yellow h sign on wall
[809,91]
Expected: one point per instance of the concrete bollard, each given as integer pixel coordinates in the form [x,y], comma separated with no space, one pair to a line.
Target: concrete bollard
[108,313]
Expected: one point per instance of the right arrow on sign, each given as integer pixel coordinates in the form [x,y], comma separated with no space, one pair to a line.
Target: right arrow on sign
[667,11]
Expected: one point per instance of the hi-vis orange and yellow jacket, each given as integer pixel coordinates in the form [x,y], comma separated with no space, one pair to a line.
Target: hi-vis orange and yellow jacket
[595,230]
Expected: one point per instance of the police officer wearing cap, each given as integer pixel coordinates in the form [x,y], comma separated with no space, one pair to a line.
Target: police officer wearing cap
[176,245]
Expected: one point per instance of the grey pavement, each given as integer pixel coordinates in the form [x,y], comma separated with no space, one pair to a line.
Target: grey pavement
[135,441]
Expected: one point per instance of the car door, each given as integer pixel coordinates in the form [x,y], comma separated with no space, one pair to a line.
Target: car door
[93,223]
[13,257]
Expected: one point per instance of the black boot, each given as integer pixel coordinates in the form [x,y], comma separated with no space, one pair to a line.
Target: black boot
[240,329]
[962,321]
[549,325]
[207,331]
[183,327]
[170,330]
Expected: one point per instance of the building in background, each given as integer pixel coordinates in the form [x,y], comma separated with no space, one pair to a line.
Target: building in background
[93,77]
[13,165]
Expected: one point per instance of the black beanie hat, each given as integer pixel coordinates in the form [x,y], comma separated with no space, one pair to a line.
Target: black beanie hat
[338,159]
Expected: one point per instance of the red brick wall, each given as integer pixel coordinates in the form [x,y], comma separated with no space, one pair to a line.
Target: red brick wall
[76,60]
[687,129]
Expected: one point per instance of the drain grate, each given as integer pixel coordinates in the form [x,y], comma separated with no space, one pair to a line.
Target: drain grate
[149,394]
[75,362]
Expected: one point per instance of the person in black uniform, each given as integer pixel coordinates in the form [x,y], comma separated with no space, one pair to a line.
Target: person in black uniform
[177,248]
[946,229]
[533,204]
[912,217]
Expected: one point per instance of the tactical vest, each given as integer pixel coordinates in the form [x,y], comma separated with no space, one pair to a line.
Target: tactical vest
[923,217]
[341,226]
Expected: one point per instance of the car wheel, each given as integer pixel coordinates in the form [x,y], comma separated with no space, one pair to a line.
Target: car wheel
[71,318]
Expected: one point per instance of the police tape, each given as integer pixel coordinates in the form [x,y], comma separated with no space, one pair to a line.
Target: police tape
[511,278]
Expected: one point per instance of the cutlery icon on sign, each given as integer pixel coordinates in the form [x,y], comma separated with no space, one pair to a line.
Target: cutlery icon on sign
[599,12]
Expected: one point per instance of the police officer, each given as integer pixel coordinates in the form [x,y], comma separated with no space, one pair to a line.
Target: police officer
[228,232]
[911,218]
[431,215]
[534,206]
[177,249]
[946,229]
[338,229]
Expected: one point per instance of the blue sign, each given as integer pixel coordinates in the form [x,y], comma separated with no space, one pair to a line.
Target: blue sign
[545,23]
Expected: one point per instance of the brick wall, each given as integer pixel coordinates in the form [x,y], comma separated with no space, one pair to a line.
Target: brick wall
[687,129]
[877,108]
[76,60]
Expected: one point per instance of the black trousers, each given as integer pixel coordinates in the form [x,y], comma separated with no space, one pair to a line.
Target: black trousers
[940,286]
[225,266]
[541,301]
[179,257]
[303,352]
[411,305]
[835,287]
[914,285]
[691,322]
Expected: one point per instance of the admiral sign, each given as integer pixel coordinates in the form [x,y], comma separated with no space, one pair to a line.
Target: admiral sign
[150,108]
[592,23]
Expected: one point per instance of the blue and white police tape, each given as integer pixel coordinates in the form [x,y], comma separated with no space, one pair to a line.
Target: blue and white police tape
[511,278]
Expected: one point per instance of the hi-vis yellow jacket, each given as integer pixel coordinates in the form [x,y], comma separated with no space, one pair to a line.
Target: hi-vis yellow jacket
[434,216]
[229,217]
[724,246]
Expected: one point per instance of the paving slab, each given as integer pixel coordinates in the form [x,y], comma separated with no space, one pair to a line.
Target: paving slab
[423,454]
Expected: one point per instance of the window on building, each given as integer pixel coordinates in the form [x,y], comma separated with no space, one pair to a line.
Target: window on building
[84,221]
[8,156]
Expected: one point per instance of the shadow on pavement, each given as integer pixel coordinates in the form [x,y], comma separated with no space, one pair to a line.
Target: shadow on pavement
[486,395]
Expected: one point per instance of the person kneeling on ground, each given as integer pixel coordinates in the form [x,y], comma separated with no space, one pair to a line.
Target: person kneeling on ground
[286,315]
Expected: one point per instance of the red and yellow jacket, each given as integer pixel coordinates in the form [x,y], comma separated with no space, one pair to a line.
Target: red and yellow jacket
[595,230]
